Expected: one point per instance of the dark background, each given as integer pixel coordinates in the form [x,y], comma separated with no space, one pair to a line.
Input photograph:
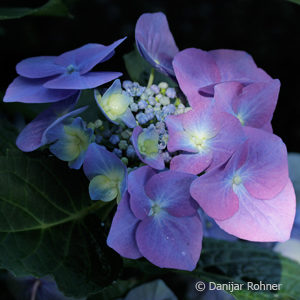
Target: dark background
[267,29]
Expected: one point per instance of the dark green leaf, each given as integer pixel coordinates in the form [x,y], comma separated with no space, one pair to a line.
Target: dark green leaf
[47,226]
[54,8]
[239,262]
[295,1]
[8,135]
[92,113]
[243,262]
[139,70]
[116,290]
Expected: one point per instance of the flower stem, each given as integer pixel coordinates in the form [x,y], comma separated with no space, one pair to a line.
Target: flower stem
[35,289]
[151,78]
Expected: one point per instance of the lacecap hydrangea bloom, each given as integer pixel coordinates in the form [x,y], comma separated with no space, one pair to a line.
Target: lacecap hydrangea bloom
[167,154]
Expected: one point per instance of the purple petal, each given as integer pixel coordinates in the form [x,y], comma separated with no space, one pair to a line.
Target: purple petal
[139,201]
[156,162]
[238,66]
[121,236]
[87,56]
[215,194]
[39,67]
[128,119]
[225,92]
[34,135]
[266,168]
[178,138]
[32,91]
[228,139]
[100,161]
[195,70]
[170,190]
[191,163]
[155,41]
[170,242]
[79,82]
[268,127]
[263,220]
[257,102]
[212,230]
[253,105]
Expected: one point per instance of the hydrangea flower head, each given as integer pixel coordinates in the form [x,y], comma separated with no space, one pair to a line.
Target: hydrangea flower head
[115,105]
[207,136]
[53,78]
[106,172]
[158,219]
[72,141]
[251,197]
[155,41]
[36,133]
[145,142]
[253,104]
[198,71]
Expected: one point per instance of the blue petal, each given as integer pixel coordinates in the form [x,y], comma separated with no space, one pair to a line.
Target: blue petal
[77,81]
[122,231]
[39,67]
[32,91]
[87,56]
[99,161]
[155,41]
[35,134]
[72,142]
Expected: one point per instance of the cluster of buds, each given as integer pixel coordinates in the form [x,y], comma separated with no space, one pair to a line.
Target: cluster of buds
[149,106]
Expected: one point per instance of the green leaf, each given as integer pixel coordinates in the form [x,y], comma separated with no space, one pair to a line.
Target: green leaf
[8,136]
[92,113]
[243,262]
[239,262]
[116,290]
[48,225]
[295,1]
[139,70]
[54,8]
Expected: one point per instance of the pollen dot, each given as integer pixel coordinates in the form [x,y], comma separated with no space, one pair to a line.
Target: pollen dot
[237,180]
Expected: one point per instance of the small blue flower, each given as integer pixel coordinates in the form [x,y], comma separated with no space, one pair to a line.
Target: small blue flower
[130,152]
[127,84]
[123,145]
[135,90]
[142,104]
[169,109]
[115,105]
[117,152]
[98,139]
[155,88]
[145,142]
[149,116]
[106,172]
[114,139]
[149,110]
[171,93]
[141,118]
[46,79]
[134,107]
[152,101]
[72,142]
